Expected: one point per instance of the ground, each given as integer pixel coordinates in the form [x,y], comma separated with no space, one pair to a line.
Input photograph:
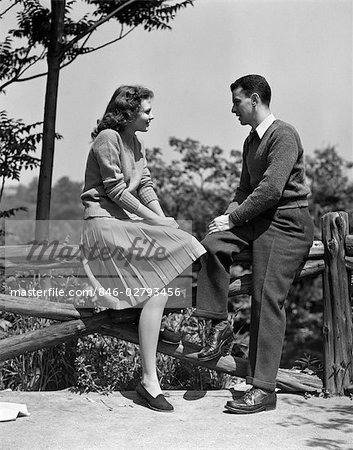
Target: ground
[65,420]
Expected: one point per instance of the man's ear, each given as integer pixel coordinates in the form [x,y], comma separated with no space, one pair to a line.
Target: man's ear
[255,99]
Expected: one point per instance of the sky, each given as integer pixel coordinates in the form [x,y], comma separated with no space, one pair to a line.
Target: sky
[302,47]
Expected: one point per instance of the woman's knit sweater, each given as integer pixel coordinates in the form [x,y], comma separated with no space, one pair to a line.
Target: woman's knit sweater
[117,179]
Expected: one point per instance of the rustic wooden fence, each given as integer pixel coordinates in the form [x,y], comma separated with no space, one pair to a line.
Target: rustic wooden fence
[332,258]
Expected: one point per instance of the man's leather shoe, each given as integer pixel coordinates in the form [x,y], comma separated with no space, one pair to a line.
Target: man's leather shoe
[253,401]
[218,342]
[169,336]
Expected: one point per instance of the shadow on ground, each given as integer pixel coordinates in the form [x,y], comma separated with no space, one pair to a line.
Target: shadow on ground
[321,417]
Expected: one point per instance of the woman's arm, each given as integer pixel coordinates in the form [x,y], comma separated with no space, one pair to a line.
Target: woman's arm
[156,219]
[146,213]
[107,154]
[155,206]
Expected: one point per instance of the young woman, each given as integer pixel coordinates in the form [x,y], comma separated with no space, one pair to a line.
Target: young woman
[131,250]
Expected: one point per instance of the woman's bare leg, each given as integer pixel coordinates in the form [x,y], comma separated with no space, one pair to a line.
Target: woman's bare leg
[149,328]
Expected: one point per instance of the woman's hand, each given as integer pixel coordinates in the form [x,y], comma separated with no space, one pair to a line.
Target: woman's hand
[170,222]
[220,223]
[164,221]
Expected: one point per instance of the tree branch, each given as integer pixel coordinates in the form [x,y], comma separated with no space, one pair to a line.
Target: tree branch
[39,58]
[95,25]
[75,56]
[97,48]
[42,74]
[17,73]
[32,77]
[8,9]
[86,40]
[2,186]
[111,42]
[69,62]
[16,78]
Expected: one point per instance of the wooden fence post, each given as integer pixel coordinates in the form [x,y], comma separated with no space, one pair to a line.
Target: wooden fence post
[337,326]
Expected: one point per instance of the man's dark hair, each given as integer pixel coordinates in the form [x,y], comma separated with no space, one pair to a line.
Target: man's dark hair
[251,84]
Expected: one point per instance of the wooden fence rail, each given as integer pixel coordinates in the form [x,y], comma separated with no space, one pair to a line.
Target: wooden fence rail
[332,258]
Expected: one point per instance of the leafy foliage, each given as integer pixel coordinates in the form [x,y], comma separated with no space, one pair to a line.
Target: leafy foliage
[66,203]
[155,14]
[17,141]
[330,186]
[12,211]
[304,321]
[33,23]
[46,369]
[29,43]
[199,185]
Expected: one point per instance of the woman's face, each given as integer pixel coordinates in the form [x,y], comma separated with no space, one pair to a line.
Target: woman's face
[144,116]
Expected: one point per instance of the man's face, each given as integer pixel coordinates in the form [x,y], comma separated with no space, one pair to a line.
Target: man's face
[242,107]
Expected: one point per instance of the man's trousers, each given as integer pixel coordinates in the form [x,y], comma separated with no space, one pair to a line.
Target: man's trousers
[280,240]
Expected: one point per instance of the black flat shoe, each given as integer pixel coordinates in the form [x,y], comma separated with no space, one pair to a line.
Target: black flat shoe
[253,401]
[158,403]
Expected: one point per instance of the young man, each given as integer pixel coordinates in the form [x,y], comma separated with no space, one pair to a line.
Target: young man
[270,215]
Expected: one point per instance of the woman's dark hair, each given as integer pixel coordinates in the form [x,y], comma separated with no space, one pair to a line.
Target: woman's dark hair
[254,83]
[123,107]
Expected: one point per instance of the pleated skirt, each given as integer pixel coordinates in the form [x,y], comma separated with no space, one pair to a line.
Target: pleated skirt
[129,261]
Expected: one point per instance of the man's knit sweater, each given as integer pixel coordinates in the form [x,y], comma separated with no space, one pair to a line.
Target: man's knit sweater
[272,174]
[117,179]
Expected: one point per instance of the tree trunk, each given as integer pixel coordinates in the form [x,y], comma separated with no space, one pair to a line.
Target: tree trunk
[50,107]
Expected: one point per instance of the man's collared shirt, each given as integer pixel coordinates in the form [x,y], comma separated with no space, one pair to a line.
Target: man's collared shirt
[264,125]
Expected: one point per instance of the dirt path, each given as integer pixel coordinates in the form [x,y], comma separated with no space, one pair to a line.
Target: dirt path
[63,420]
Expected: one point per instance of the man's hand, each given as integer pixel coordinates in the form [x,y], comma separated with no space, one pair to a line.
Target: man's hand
[220,223]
